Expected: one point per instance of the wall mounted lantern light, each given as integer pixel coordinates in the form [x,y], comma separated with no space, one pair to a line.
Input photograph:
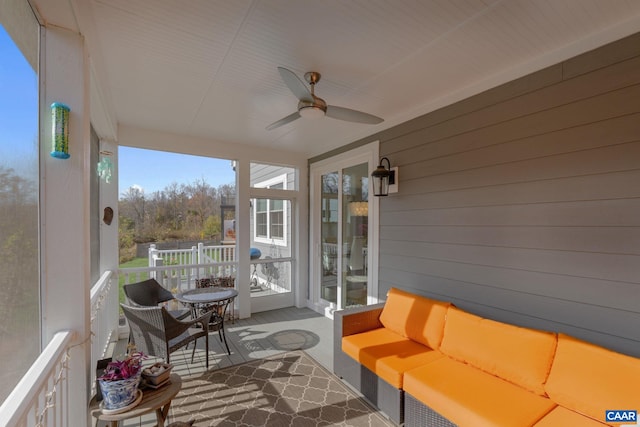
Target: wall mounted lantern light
[385,180]
[60,131]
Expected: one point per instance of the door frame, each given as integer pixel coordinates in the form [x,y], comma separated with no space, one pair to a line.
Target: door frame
[368,153]
[288,299]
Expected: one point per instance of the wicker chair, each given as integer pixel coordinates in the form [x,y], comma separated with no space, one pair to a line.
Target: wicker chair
[205,282]
[155,332]
[150,293]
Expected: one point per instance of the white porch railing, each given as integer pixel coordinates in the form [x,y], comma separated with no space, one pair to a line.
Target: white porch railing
[180,267]
[104,318]
[178,278]
[41,396]
[330,256]
[200,254]
[177,269]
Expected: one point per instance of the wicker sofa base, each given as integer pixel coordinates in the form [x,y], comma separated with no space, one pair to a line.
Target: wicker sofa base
[388,399]
[378,392]
[418,414]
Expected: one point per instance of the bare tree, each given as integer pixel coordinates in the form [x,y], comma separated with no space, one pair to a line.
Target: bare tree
[132,206]
[179,211]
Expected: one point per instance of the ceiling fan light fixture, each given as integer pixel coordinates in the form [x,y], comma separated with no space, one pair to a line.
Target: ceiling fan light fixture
[312,108]
[311,112]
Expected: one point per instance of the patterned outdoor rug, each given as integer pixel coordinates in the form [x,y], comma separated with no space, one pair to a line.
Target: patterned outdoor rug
[289,389]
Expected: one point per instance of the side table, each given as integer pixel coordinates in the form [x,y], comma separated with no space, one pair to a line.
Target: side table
[152,400]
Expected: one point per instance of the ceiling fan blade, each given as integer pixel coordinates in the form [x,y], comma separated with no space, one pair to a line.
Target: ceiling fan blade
[295,85]
[284,121]
[350,115]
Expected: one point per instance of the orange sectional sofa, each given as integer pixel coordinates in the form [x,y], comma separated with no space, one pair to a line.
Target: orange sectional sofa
[425,362]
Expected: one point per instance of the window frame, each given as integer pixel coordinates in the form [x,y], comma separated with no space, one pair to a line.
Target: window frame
[269,238]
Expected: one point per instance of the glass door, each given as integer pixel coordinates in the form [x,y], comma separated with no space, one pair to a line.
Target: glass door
[271,254]
[341,213]
[330,232]
[355,224]
[272,242]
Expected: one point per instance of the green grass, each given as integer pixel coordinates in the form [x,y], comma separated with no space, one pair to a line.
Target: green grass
[136,262]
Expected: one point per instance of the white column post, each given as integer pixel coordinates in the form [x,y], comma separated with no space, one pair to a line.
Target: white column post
[243,238]
[200,260]
[200,253]
[194,260]
[152,253]
[64,77]
[109,248]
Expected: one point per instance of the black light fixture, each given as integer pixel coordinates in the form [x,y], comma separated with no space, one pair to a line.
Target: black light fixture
[382,178]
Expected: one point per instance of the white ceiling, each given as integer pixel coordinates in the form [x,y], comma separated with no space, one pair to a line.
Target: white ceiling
[209,68]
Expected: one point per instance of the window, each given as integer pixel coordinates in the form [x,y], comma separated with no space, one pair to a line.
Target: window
[262,227]
[276,219]
[19,194]
[270,214]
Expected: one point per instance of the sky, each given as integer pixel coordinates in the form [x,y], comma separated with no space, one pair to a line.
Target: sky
[148,170]
[18,109]
[152,171]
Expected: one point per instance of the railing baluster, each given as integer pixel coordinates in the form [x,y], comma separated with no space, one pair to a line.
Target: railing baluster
[41,398]
[36,398]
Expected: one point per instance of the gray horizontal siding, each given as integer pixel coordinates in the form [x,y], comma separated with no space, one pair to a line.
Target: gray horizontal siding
[522,203]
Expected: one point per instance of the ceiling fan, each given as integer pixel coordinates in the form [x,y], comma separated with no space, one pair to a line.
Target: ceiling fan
[309,105]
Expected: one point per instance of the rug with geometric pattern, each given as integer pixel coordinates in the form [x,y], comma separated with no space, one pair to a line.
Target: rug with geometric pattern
[289,389]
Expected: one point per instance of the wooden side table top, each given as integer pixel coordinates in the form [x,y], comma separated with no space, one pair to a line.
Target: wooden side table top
[152,400]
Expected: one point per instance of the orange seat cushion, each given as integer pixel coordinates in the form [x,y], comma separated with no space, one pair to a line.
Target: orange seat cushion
[590,379]
[387,354]
[562,417]
[468,396]
[520,355]
[415,317]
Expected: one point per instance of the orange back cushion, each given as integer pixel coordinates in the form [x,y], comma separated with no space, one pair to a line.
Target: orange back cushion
[412,316]
[520,355]
[590,379]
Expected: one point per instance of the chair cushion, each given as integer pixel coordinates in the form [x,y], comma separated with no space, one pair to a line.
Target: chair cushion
[387,354]
[467,396]
[415,317]
[562,417]
[520,355]
[590,379]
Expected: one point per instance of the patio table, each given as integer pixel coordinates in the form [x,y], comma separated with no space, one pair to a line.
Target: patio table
[212,299]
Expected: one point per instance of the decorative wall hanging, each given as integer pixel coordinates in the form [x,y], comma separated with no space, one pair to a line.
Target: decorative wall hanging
[108,215]
[60,131]
[105,167]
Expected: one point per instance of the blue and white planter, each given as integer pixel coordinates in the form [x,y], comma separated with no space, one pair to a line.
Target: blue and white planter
[120,393]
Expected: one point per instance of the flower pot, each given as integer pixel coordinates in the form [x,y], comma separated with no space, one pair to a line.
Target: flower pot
[119,393]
